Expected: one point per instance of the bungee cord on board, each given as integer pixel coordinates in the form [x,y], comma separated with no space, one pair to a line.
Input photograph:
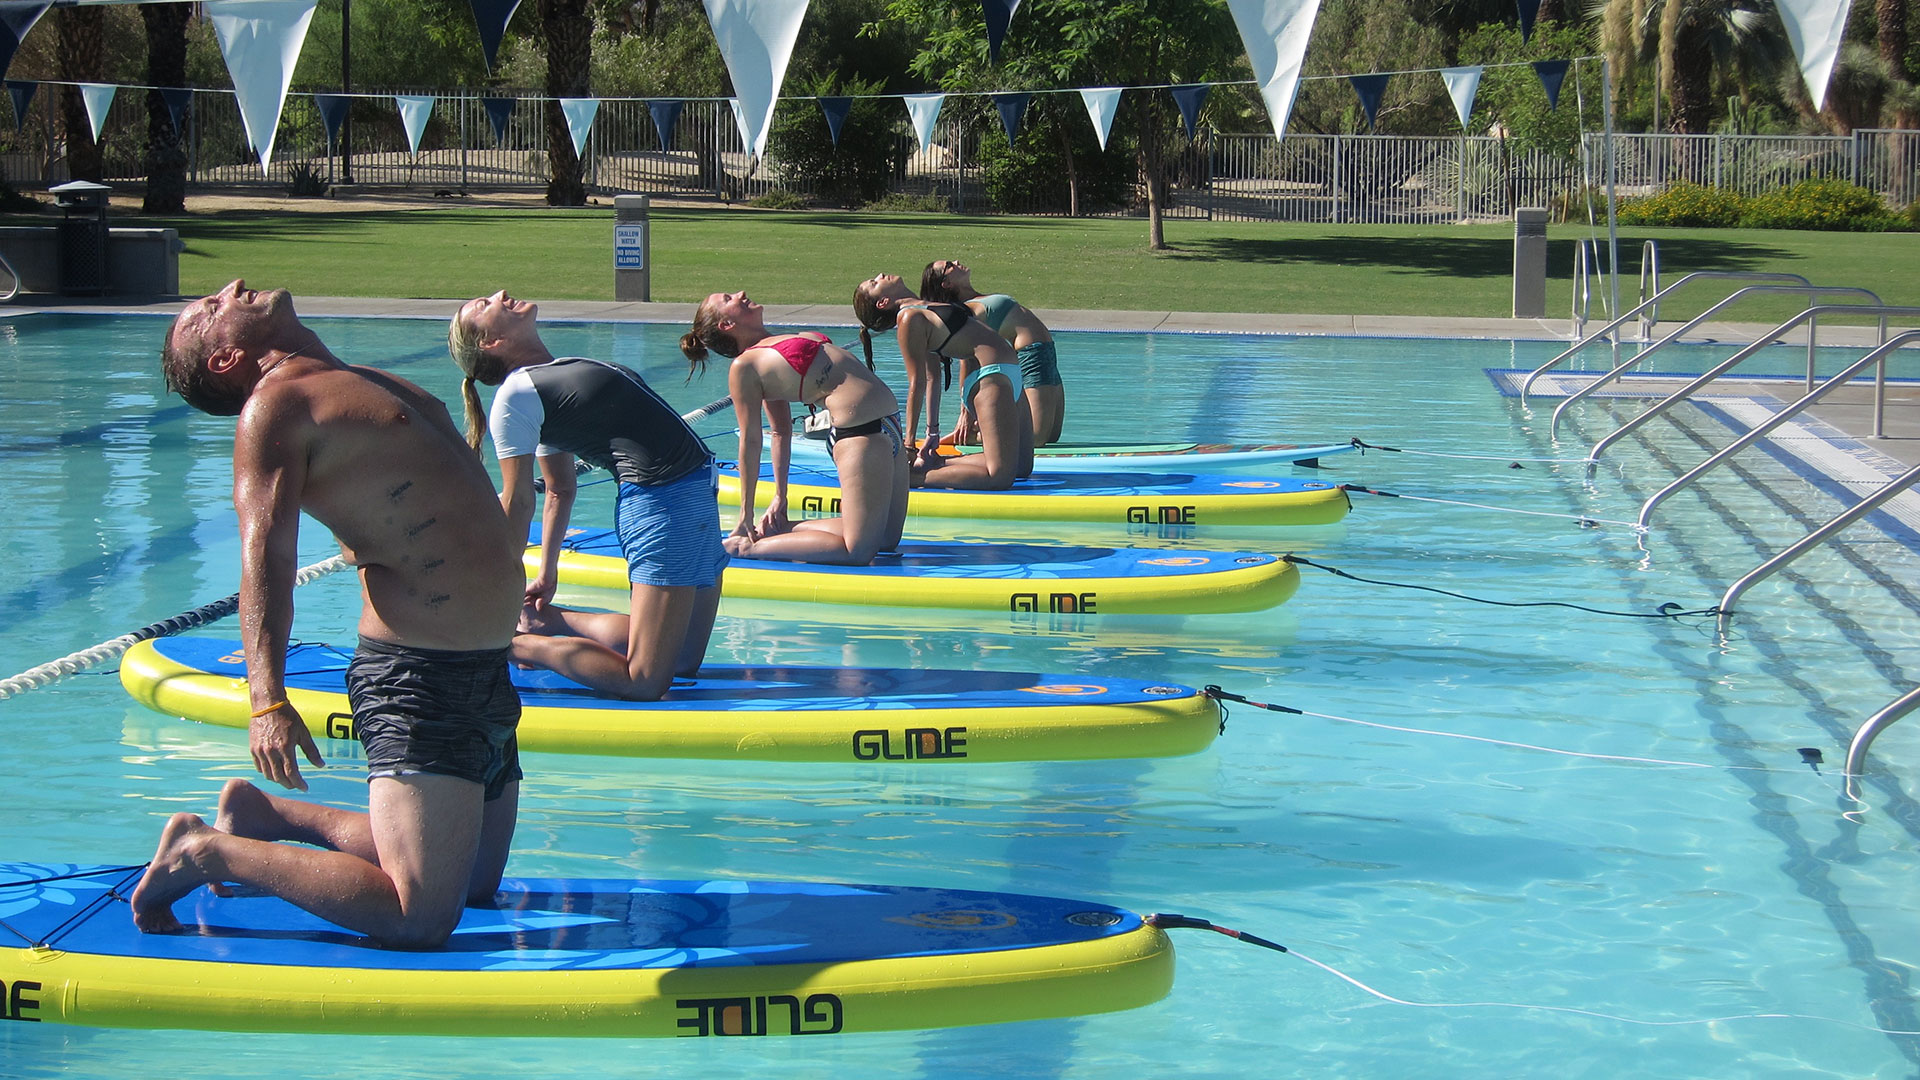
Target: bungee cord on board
[54,670]
[1168,921]
[1668,610]
[1585,521]
[1512,462]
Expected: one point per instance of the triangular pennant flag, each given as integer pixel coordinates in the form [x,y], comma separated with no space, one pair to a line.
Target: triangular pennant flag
[579,112]
[178,100]
[1814,28]
[1553,73]
[835,110]
[98,98]
[15,20]
[1101,102]
[924,109]
[999,13]
[261,40]
[1529,11]
[666,114]
[1462,84]
[1013,109]
[1190,98]
[414,111]
[492,17]
[756,40]
[1371,89]
[21,93]
[333,112]
[499,111]
[1275,33]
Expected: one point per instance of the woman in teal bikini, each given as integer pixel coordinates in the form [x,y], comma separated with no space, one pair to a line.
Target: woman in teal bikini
[932,337]
[1046,396]
[770,369]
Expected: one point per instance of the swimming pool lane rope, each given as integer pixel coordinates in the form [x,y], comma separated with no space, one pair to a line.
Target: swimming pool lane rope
[1513,462]
[1668,610]
[55,670]
[1585,521]
[1169,921]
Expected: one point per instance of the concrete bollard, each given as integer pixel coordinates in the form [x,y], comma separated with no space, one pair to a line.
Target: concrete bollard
[1530,263]
[631,274]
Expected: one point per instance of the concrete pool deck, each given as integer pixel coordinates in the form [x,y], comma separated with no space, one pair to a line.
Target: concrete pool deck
[1849,410]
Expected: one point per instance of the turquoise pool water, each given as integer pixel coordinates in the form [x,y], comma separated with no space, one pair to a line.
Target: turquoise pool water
[1630,906]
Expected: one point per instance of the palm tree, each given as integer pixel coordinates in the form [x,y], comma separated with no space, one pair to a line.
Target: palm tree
[1691,41]
[166,161]
[82,59]
[568,29]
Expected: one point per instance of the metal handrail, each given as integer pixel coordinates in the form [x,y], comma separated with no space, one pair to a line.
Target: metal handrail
[1862,739]
[1621,320]
[13,276]
[1585,255]
[1760,431]
[1649,275]
[1764,340]
[1813,540]
[1620,369]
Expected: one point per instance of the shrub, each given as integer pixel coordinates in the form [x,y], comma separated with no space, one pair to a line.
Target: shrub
[861,167]
[1832,205]
[895,202]
[1685,204]
[305,181]
[13,202]
[780,199]
[1032,175]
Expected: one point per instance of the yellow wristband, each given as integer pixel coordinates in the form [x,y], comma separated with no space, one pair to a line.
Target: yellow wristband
[258,713]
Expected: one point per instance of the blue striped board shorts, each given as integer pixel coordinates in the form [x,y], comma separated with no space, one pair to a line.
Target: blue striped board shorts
[670,533]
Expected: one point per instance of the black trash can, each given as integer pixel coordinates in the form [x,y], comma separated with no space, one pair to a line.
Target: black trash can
[83,237]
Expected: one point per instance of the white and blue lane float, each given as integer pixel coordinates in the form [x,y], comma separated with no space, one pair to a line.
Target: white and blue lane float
[625,959]
[742,712]
[980,576]
[1149,457]
[1112,497]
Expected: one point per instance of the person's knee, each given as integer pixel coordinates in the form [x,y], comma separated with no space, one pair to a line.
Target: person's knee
[422,932]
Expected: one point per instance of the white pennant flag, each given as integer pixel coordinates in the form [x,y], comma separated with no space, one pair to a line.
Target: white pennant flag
[579,112]
[1814,28]
[1275,33]
[1462,84]
[1101,101]
[98,98]
[924,109]
[260,40]
[756,40]
[414,111]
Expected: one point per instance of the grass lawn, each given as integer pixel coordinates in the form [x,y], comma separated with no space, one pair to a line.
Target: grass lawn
[1048,262]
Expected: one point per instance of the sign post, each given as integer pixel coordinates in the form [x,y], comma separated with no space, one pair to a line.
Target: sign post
[631,259]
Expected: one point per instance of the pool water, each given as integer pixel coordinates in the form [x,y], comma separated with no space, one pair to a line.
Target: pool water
[1569,844]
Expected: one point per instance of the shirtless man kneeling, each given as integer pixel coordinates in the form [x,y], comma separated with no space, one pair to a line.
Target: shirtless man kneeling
[378,461]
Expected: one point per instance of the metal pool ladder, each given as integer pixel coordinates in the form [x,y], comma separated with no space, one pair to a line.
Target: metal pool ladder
[13,280]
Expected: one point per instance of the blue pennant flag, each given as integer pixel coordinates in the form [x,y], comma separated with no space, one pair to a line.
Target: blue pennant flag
[499,111]
[665,115]
[1529,11]
[15,20]
[1013,109]
[1190,98]
[835,109]
[1552,74]
[1370,88]
[492,17]
[179,99]
[333,111]
[999,13]
[22,93]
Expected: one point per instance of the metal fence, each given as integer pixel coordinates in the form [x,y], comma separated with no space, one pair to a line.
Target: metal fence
[1365,179]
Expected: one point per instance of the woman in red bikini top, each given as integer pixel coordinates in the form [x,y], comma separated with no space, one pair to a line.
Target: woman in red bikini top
[768,371]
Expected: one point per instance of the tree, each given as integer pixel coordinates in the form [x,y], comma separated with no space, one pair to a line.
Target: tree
[166,157]
[1071,43]
[1742,42]
[82,59]
[568,28]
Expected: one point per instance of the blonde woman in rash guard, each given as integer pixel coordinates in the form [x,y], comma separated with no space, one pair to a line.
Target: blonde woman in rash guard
[1046,396]
[768,369]
[932,336]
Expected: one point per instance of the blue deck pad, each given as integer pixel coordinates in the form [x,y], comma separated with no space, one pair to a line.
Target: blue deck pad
[735,687]
[1110,482]
[551,924]
[980,559]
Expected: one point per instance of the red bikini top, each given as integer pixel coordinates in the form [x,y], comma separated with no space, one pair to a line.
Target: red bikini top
[800,350]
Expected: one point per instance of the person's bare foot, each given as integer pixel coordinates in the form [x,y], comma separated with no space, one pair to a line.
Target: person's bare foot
[740,547]
[173,873]
[537,620]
